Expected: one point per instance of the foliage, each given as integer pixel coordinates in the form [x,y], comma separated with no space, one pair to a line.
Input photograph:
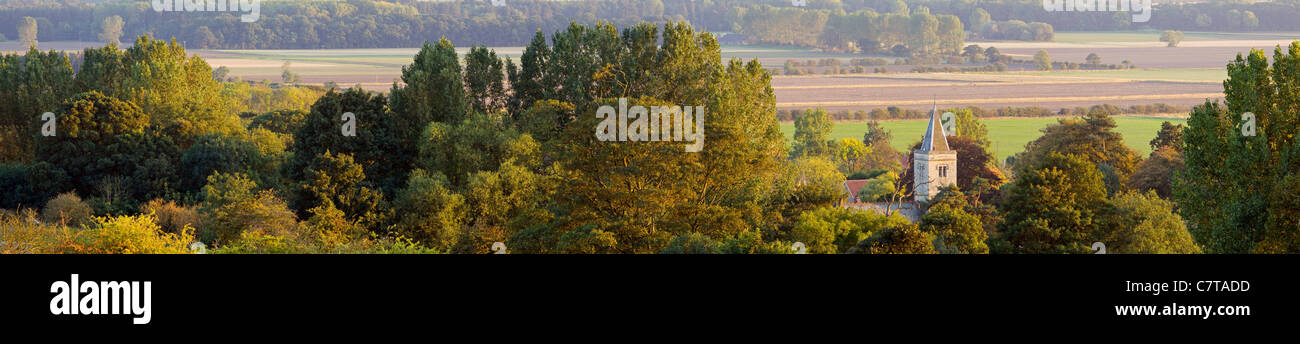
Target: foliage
[1043,60]
[231,206]
[484,80]
[27,31]
[836,230]
[111,30]
[432,214]
[1170,135]
[1172,37]
[1145,223]
[903,238]
[67,209]
[1053,206]
[812,134]
[177,92]
[955,230]
[100,137]
[339,181]
[1237,192]
[127,235]
[172,217]
[1157,173]
[1092,138]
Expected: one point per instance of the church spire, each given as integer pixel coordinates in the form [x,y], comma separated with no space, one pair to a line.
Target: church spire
[935,140]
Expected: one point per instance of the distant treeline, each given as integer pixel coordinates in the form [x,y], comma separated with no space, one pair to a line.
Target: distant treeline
[894,112]
[891,26]
[407,23]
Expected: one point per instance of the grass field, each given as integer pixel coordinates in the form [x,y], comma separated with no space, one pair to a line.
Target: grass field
[1009,135]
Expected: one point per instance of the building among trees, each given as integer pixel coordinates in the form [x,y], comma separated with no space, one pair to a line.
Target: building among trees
[934,166]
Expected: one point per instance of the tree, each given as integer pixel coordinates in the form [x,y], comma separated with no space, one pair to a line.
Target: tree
[485,87]
[1093,59]
[836,230]
[1043,60]
[969,126]
[978,18]
[528,87]
[812,133]
[993,54]
[378,145]
[99,136]
[286,75]
[902,238]
[337,180]
[432,213]
[814,182]
[883,156]
[1170,135]
[178,92]
[1172,37]
[1092,138]
[955,230]
[111,30]
[232,207]
[851,155]
[635,197]
[1053,207]
[1157,172]
[1237,192]
[226,154]
[433,91]
[27,32]
[204,39]
[1143,223]
[39,82]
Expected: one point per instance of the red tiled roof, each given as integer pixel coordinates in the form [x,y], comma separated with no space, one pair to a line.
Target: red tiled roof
[853,186]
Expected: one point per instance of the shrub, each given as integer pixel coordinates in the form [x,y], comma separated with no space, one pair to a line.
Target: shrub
[172,217]
[127,235]
[21,234]
[67,209]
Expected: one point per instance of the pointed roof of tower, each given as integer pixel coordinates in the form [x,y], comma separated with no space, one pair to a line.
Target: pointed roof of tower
[935,139]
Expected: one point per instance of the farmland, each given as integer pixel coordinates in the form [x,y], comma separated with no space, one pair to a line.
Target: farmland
[1009,135]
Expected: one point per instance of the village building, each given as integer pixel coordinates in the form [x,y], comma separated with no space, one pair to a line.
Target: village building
[934,165]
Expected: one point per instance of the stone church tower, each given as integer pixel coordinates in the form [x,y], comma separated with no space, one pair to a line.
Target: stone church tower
[934,165]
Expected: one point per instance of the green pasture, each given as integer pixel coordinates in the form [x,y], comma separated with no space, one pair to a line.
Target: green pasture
[1009,135]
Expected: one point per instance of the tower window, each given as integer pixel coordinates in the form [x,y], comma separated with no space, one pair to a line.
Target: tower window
[943,171]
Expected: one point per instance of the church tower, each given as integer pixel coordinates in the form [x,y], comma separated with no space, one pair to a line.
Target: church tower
[934,165]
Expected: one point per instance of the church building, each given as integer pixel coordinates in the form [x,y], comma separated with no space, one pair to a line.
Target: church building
[934,165]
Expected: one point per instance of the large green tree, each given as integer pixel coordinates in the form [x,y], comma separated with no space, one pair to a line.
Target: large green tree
[377,145]
[1237,193]
[1092,138]
[484,80]
[1053,206]
[812,132]
[99,136]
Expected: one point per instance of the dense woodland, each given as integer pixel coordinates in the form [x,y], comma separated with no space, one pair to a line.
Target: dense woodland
[867,26]
[149,150]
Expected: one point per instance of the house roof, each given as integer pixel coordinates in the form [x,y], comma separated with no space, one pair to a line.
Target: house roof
[853,186]
[935,139]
